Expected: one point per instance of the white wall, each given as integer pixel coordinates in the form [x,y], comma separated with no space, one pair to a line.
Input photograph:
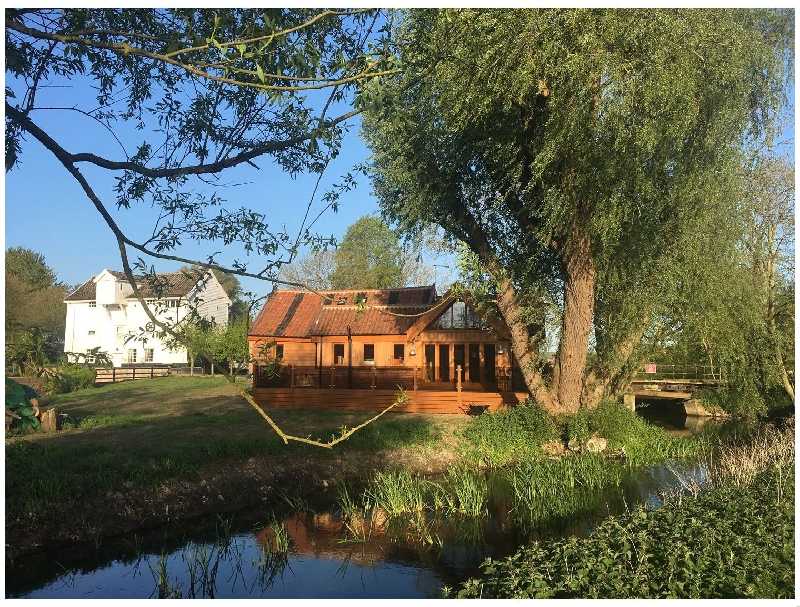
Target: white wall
[107,326]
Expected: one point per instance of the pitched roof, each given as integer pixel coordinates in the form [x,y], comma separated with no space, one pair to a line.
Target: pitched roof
[171,284]
[306,314]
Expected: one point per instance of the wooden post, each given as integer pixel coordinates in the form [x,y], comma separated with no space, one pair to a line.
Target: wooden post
[458,384]
[113,375]
[133,374]
[152,369]
[291,382]
[333,373]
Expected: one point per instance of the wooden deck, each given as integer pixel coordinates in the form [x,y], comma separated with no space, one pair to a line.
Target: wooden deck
[419,401]
[376,388]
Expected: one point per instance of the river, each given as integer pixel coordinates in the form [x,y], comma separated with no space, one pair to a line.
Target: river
[239,556]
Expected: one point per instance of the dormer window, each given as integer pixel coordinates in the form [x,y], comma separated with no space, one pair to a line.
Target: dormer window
[342,301]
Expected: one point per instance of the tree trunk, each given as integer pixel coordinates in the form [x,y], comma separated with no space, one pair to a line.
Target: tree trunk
[611,375]
[526,353]
[579,284]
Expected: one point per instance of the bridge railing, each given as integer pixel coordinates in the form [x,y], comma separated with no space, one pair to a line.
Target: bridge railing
[696,372]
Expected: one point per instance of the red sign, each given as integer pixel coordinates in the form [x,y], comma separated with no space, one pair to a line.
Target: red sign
[650,368]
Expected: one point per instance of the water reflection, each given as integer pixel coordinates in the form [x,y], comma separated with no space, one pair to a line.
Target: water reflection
[338,549]
[311,554]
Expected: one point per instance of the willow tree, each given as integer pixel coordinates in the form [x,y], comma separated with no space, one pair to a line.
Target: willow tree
[575,152]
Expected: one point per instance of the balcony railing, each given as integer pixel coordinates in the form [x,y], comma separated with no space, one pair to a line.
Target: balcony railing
[376,378]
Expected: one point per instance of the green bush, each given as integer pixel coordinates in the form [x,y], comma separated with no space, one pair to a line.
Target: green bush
[642,443]
[511,435]
[576,427]
[731,542]
[70,378]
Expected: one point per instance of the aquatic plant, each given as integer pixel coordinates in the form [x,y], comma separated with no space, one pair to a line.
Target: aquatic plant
[735,540]
[471,491]
[396,492]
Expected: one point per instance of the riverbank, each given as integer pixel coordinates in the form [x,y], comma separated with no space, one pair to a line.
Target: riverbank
[734,538]
[154,452]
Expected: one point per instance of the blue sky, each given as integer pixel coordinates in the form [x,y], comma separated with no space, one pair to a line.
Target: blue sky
[48,212]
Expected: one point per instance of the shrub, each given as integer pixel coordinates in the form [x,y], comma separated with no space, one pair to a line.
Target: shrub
[730,542]
[576,427]
[508,436]
[642,443]
[70,378]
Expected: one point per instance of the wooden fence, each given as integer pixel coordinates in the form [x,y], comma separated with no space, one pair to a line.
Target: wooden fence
[117,374]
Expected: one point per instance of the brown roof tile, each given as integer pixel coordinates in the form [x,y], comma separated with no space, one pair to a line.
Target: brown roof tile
[172,284]
[305,314]
[287,314]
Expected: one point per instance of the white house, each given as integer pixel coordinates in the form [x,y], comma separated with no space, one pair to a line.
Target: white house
[104,313]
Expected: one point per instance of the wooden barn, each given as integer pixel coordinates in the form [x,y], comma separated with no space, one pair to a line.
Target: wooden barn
[355,349]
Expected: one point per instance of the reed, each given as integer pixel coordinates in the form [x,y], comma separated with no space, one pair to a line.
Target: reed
[396,492]
[471,491]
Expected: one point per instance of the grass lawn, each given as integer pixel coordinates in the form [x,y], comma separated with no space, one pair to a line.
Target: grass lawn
[148,451]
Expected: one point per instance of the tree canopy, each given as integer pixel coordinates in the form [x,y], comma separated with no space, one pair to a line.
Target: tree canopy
[35,314]
[198,92]
[370,256]
[575,152]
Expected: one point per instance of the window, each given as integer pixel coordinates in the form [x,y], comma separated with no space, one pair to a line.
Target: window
[369,354]
[92,304]
[338,354]
[459,316]
[132,355]
[148,355]
[91,333]
[89,357]
[399,353]
[120,334]
[279,352]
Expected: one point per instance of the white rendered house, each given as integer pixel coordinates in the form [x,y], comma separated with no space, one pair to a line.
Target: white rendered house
[104,313]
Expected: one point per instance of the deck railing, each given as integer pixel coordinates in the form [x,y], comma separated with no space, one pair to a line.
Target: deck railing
[361,378]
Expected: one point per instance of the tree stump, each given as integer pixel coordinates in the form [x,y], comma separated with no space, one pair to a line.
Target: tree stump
[48,420]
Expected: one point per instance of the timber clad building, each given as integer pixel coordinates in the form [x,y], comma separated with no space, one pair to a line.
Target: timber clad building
[376,340]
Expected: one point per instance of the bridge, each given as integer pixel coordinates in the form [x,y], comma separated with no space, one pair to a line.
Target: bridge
[674,382]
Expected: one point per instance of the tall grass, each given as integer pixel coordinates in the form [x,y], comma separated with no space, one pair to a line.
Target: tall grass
[396,492]
[471,490]
[543,491]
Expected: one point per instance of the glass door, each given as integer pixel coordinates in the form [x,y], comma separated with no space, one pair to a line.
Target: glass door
[444,362]
[489,363]
[430,362]
[459,360]
[474,363]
